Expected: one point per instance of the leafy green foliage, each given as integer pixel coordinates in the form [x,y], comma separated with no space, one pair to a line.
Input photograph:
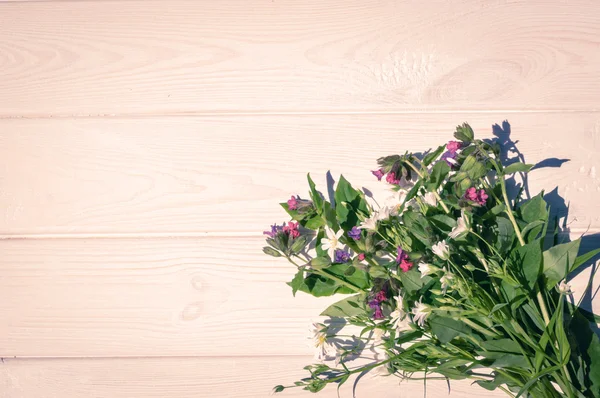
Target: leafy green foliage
[460,277]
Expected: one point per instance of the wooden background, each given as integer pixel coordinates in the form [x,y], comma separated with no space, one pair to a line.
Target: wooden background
[144,146]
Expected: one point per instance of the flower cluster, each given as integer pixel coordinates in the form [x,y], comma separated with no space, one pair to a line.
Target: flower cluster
[490,289]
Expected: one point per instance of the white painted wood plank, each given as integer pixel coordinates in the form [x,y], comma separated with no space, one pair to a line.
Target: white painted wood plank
[242,377]
[157,297]
[140,57]
[197,175]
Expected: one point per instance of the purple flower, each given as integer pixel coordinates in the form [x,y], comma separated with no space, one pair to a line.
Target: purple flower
[450,158]
[274,230]
[354,233]
[341,256]
[375,304]
[402,256]
[292,203]
[378,173]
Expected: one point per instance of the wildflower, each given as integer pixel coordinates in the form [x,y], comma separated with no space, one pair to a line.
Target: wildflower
[398,316]
[273,232]
[323,348]
[450,158]
[375,304]
[482,197]
[384,213]
[391,178]
[341,256]
[430,199]
[291,229]
[370,223]
[453,146]
[441,250]
[427,269]
[354,233]
[332,241]
[446,280]
[361,256]
[378,173]
[471,194]
[402,260]
[461,227]
[420,313]
[292,203]
[564,288]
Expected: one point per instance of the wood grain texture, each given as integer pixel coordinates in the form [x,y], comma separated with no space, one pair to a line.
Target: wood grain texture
[192,378]
[157,297]
[150,297]
[170,175]
[188,56]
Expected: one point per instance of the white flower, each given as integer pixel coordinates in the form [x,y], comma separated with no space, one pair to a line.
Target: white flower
[441,250]
[430,199]
[384,213]
[398,316]
[427,269]
[446,280]
[370,223]
[323,349]
[461,227]
[332,241]
[564,288]
[420,313]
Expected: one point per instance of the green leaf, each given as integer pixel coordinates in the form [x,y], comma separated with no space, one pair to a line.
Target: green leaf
[534,209]
[527,262]
[505,346]
[497,307]
[355,276]
[314,194]
[584,258]
[320,286]
[349,306]
[412,280]
[430,157]
[297,282]
[315,222]
[587,344]
[506,234]
[517,168]
[532,230]
[443,222]
[377,271]
[278,388]
[437,176]
[445,329]
[464,133]
[271,252]
[320,262]
[511,360]
[558,261]
[348,201]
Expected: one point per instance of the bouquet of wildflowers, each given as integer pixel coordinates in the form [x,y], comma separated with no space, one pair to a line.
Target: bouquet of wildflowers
[452,278]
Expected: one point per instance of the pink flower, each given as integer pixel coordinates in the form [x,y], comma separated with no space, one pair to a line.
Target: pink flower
[391,178]
[361,256]
[471,194]
[292,203]
[292,229]
[453,146]
[482,197]
[405,265]
[378,174]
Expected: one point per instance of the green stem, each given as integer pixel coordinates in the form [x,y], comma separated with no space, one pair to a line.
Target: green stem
[475,326]
[330,276]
